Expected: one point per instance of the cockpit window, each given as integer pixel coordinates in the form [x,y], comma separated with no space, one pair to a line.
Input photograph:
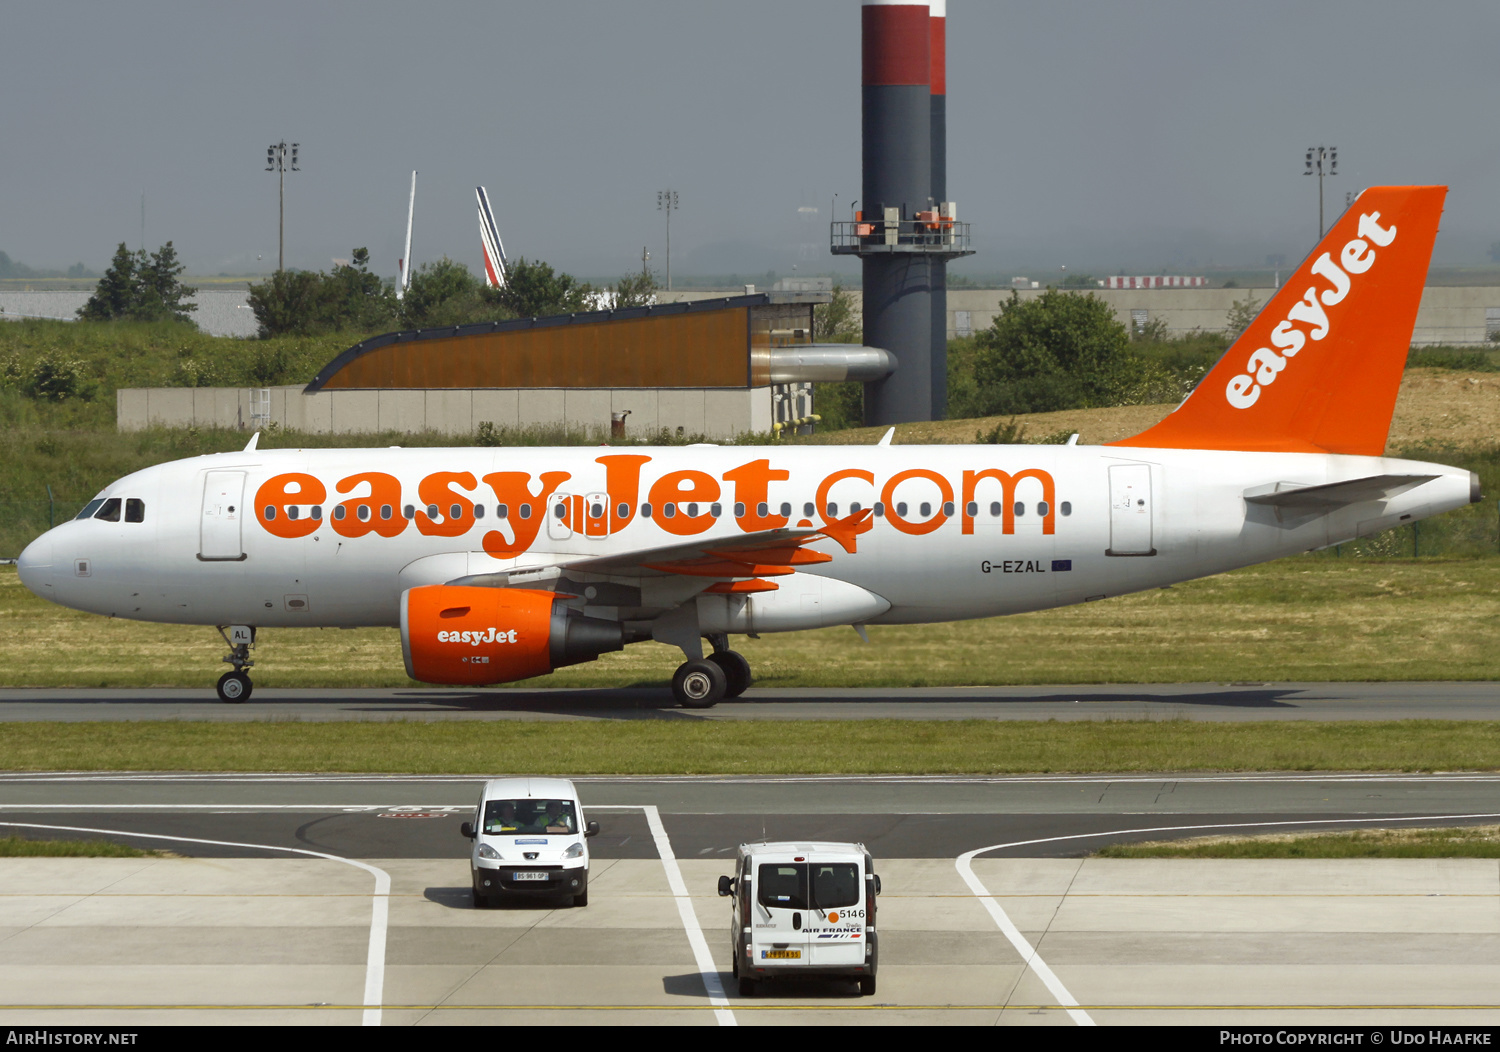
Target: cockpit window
[110,512]
[89,508]
[135,510]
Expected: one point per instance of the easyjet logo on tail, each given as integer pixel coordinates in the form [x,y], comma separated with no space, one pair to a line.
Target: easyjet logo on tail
[1265,364]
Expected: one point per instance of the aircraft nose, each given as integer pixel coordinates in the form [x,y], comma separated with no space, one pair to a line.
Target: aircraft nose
[34,567]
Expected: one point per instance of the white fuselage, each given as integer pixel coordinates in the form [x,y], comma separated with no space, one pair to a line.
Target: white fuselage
[1116,520]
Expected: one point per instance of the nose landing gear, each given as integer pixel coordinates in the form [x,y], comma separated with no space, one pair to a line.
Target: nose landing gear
[235,686]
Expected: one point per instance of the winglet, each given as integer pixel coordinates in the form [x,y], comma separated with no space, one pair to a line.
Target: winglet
[1319,368]
[885,439]
[255,438]
[846,530]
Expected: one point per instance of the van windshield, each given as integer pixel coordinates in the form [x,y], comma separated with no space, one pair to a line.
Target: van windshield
[507,817]
[804,886]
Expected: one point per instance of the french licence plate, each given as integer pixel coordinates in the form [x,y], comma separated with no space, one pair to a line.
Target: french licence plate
[781,955]
[526,874]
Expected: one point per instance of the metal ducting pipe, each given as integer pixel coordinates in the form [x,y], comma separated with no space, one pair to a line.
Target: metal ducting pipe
[824,363]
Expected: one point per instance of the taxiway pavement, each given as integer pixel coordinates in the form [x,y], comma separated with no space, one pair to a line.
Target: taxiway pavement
[316,899]
[1192,701]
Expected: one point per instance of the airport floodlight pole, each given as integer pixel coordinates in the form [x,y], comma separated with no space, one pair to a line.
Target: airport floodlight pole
[278,161]
[666,201]
[1321,161]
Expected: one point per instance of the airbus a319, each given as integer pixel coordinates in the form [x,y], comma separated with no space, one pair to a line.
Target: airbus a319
[503,564]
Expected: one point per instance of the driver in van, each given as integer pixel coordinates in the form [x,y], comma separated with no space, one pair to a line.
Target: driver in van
[555,820]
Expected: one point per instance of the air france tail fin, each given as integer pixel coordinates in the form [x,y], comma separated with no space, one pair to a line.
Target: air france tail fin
[1318,369]
[489,239]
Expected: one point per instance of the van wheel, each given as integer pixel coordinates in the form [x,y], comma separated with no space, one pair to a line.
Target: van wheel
[748,987]
[867,986]
[579,901]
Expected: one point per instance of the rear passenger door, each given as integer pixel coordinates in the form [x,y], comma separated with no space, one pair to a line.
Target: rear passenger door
[782,915]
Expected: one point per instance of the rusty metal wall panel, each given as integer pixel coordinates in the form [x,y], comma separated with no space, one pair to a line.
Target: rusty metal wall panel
[700,349]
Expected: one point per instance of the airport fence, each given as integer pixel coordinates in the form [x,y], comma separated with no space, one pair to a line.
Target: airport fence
[21,521]
[1468,532]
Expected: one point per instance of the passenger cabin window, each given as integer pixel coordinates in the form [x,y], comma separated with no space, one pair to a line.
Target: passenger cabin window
[1065,508]
[135,510]
[110,512]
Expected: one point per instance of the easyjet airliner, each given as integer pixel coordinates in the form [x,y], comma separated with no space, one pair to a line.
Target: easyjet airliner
[503,564]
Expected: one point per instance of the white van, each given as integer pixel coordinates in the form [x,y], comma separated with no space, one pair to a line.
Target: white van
[803,910]
[530,838]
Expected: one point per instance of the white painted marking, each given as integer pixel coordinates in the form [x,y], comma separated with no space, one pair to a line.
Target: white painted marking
[379,911]
[1034,959]
[706,967]
[1023,947]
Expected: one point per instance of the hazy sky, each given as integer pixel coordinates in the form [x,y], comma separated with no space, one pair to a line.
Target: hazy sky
[1096,135]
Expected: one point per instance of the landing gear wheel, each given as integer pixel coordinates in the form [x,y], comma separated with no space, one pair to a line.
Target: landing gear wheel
[234,687]
[867,986]
[736,671]
[749,987]
[699,684]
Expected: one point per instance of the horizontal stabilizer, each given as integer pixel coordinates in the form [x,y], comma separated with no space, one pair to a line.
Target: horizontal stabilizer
[1340,494]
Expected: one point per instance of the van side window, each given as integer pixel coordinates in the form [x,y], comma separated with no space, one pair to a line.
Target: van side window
[135,510]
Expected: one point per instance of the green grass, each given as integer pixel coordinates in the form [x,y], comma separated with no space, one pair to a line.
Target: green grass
[1297,619]
[19,847]
[664,747]
[1465,842]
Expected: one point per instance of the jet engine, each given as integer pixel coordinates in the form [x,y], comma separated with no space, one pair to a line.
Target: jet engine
[460,635]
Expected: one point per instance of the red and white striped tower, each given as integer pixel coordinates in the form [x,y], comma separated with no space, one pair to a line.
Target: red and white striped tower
[900,234]
[937,24]
[896,120]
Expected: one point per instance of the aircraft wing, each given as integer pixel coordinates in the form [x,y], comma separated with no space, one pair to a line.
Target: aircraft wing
[1339,494]
[739,562]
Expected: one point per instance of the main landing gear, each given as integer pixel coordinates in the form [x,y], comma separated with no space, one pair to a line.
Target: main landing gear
[702,683]
[235,686]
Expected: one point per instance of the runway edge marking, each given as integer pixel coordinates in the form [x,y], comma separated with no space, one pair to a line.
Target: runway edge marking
[1028,953]
[379,910]
[706,967]
[1034,960]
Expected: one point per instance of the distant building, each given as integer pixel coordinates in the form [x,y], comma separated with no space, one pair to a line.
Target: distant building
[1155,281]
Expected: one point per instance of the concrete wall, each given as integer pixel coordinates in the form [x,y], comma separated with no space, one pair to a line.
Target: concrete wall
[713,413]
[1449,314]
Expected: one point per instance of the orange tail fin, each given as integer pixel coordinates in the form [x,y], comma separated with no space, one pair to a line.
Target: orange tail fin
[1319,368]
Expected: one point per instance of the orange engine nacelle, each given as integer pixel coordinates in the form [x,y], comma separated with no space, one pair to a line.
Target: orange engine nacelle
[459,635]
